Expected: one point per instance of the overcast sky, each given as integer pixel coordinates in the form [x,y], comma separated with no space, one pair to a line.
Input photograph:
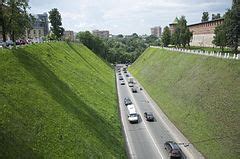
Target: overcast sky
[127,16]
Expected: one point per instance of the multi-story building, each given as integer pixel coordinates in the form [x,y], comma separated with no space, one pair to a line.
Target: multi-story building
[156,31]
[69,35]
[101,33]
[40,27]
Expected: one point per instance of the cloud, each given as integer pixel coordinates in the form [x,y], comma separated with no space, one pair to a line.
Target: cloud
[127,16]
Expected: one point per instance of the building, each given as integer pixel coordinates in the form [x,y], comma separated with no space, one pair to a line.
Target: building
[40,27]
[203,33]
[69,35]
[101,33]
[172,26]
[156,31]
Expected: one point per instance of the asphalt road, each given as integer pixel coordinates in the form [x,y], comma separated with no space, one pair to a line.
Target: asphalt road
[145,139]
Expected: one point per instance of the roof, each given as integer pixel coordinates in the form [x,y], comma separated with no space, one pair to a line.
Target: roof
[220,19]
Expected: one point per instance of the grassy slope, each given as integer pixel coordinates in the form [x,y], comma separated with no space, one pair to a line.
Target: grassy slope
[57,100]
[200,94]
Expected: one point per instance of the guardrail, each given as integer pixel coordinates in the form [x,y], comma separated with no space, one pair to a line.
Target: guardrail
[204,53]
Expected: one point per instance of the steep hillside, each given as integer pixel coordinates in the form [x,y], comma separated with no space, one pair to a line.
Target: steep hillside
[200,94]
[58,100]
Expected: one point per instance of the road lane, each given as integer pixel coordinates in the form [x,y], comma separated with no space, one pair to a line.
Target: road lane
[138,138]
[148,138]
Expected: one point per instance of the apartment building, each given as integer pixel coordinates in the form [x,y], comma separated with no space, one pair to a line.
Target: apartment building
[101,33]
[156,31]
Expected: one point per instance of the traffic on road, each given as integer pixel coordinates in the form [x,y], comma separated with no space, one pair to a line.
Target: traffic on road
[146,133]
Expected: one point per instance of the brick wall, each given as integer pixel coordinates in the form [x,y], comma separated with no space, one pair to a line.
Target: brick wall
[203,33]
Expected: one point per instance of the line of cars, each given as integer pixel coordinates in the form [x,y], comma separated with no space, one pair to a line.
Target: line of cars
[18,42]
[132,114]
[171,147]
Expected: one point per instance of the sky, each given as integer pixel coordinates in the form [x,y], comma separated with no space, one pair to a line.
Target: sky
[127,16]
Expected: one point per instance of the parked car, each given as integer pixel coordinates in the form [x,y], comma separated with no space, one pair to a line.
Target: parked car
[23,42]
[119,73]
[29,41]
[149,116]
[173,149]
[134,89]
[127,75]
[127,101]
[2,44]
[122,82]
[18,42]
[9,43]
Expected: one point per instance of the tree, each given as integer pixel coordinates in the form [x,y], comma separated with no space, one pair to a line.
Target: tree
[16,20]
[232,26]
[182,35]
[94,43]
[56,23]
[166,37]
[205,17]
[220,36]
[216,16]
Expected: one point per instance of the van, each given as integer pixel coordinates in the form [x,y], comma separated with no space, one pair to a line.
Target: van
[132,114]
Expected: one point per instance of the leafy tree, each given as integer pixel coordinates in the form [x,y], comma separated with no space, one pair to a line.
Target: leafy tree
[182,35]
[205,17]
[94,43]
[152,40]
[232,26]
[166,37]
[220,37]
[217,16]
[56,23]
[16,20]
[120,36]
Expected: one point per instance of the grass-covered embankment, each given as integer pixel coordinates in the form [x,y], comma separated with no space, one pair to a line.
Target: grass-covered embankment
[200,94]
[58,100]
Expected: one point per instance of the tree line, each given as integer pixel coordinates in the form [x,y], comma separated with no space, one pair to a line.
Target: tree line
[117,49]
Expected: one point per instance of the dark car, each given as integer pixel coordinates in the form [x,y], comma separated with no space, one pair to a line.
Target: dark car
[127,101]
[127,75]
[173,149]
[23,42]
[134,89]
[149,116]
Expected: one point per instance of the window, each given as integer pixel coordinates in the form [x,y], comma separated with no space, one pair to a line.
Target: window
[39,32]
[34,31]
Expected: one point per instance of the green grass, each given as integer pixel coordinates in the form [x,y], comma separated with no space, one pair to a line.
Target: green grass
[200,95]
[58,100]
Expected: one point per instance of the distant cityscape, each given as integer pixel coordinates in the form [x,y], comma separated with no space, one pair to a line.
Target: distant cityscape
[203,32]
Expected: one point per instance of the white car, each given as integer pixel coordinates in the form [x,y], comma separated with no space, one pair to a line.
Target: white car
[130,84]
[122,82]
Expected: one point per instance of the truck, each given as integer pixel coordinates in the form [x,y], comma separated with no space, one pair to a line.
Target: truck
[132,114]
